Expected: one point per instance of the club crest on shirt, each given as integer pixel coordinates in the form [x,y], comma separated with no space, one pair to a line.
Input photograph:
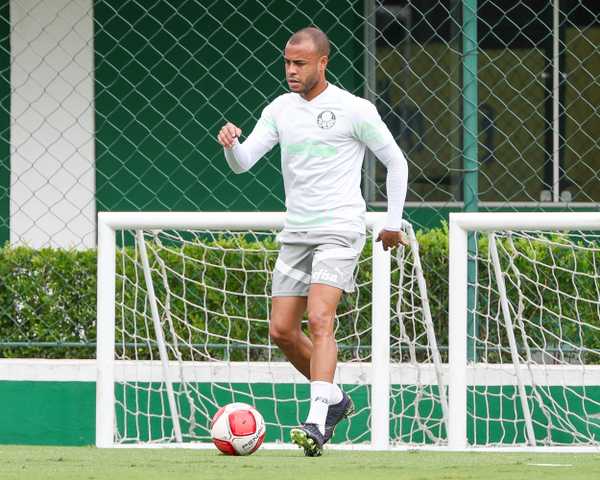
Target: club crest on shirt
[326,119]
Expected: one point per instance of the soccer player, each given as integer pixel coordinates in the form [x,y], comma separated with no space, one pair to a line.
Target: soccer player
[323,131]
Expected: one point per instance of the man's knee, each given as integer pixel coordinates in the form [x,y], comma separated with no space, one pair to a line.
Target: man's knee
[282,336]
[320,323]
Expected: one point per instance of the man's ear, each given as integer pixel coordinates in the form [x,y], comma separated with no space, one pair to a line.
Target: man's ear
[323,63]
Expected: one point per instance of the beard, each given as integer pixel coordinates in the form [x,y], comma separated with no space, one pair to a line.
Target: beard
[308,84]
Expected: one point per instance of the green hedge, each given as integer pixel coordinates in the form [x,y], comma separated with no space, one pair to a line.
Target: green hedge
[48,300]
[47,296]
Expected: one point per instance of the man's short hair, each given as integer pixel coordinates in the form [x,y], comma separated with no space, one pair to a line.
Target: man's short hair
[316,35]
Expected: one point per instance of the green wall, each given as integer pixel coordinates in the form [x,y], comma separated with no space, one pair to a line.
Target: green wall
[167,80]
[4,121]
[47,413]
[63,413]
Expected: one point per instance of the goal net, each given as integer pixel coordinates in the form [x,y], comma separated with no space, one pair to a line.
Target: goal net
[525,329]
[184,305]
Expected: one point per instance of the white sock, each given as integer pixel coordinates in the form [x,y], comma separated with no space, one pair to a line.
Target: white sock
[320,392]
[336,394]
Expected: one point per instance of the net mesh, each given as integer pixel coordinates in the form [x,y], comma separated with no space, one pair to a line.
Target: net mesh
[105,103]
[547,339]
[212,289]
[114,105]
[417,397]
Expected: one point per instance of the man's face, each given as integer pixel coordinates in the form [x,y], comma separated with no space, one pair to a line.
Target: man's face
[303,66]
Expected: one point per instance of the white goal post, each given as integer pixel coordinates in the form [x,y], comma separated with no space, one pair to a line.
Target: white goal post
[524,320]
[167,356]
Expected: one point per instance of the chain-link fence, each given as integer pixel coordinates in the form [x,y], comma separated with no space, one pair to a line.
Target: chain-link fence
[115,105]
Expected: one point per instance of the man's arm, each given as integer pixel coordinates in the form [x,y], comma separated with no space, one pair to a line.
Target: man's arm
[241,157]
[238,161]
[396,185]
[370,129]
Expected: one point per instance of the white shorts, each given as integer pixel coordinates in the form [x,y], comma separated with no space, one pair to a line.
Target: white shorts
[316,257]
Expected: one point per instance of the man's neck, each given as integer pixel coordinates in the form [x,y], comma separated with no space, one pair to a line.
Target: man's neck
[316,90]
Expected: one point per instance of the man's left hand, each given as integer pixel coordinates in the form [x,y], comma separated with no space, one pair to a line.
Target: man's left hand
[391,239]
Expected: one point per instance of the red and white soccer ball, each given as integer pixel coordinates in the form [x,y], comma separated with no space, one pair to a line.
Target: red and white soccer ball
[237,429]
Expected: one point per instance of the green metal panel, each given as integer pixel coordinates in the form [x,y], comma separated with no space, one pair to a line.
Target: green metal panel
[4,121]
[470,161]
[434,217]
[166,80]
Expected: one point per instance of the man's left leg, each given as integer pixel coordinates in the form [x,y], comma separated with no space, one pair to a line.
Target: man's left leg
[332,273]
[321,306]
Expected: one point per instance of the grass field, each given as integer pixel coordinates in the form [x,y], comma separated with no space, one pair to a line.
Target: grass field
[88,463]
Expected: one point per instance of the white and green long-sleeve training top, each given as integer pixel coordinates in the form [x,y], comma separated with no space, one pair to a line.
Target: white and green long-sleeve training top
[323,145]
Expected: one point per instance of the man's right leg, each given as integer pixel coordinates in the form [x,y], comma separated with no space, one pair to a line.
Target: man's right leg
[285,330]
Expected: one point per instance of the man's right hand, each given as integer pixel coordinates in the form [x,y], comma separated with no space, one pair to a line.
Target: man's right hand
[228,134]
